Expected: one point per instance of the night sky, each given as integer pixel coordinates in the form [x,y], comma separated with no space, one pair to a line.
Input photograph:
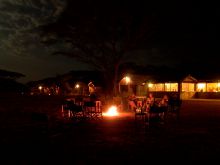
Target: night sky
[183,34]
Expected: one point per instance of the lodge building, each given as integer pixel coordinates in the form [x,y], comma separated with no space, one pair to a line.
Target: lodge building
[186,88]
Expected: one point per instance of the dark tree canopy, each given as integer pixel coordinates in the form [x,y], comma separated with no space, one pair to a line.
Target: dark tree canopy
[102,34]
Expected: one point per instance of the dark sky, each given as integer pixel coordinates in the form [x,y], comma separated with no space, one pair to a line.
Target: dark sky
[184,35]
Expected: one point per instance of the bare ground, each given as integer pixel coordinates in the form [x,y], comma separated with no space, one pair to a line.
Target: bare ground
[30,137]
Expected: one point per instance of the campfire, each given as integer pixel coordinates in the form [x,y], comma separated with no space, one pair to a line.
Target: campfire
[112,111]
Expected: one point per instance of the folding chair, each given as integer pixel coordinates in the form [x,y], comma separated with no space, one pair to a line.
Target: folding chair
[93,109]
[141,115]
[72,110]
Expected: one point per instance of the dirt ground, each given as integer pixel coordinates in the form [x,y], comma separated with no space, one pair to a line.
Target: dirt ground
[192,138]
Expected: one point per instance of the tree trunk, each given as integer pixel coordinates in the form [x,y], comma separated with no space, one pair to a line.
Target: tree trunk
[115,80]
[111,83]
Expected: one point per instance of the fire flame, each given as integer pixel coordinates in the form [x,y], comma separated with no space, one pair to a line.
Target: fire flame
[112,111]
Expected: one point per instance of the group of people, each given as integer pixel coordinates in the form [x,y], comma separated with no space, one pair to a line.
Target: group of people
[148,102]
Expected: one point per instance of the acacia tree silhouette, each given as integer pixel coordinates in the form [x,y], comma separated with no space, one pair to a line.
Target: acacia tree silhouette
[101,34]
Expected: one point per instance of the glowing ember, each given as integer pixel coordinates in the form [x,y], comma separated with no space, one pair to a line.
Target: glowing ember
[112,111]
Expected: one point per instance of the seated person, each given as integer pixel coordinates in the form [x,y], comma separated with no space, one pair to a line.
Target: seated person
[132,101]
[150,99]
[164,101]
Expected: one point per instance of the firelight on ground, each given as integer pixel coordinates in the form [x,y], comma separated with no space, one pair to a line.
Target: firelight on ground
[112,111]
